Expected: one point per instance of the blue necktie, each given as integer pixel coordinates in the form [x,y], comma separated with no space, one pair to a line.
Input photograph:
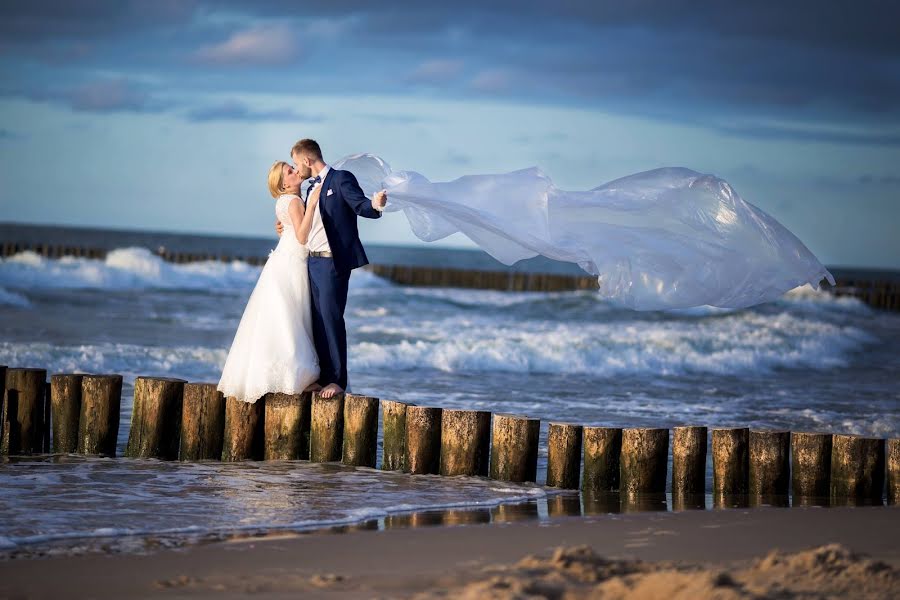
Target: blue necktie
[312,181]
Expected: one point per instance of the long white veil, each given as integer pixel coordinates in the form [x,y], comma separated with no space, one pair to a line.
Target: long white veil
[661,239]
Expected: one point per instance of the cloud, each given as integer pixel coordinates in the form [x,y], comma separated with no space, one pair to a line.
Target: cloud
[238,111]
[799,133]
[261,45]
[492,81]
[886,180]
[436,72]
[107,95]
[7,135]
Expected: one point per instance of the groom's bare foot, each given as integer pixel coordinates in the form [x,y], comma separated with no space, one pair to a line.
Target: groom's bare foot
[331,390]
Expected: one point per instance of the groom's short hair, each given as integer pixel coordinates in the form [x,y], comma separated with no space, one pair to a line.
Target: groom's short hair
[307,147]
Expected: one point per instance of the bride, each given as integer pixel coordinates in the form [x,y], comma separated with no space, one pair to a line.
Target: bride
[273,348]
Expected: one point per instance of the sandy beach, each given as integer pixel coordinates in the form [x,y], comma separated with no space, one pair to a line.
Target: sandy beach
[800,552]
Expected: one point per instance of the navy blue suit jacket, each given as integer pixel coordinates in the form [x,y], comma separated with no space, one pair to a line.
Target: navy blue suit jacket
[340,202]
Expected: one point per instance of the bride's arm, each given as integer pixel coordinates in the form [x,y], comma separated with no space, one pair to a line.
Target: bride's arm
[302,219]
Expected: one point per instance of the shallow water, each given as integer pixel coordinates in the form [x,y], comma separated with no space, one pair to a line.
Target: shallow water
[807,362]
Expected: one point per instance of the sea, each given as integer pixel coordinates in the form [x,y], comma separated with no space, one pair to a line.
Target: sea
[807,362]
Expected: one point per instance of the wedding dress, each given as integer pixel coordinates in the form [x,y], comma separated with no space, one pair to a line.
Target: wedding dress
[661,239]
[273,348]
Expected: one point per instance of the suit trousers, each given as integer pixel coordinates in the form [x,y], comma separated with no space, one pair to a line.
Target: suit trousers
[328,290]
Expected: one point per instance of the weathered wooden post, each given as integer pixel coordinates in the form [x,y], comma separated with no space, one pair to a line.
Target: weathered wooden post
[202,422]
[514,448]
[394,435]
[602,454]
[810,467]
[156,418]
[645,460]
[23,411]
[65,409]
[45,441]
[770,467]
[326,434]
[465,442]
[689,447]
[423,440]
[360,447]
[731,465]
[286,424]
[893,471]
[564,455]
[857,469]
[244,430]
[98,422]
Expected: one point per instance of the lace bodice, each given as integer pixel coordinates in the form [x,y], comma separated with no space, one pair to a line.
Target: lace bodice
[281,211]
[288,241]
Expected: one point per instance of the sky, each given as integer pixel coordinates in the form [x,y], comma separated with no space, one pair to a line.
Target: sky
[166,114]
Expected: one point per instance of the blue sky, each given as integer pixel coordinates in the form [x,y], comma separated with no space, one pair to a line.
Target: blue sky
[166,114]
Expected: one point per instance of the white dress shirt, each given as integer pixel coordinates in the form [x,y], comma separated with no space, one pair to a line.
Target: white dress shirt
[318,239]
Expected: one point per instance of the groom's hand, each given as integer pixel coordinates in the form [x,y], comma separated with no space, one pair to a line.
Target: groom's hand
[379,200]
[279,228]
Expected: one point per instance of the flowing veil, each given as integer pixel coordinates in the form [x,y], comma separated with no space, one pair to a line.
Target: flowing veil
[661,239]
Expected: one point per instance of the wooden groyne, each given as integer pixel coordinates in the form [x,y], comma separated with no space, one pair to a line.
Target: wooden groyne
[177,420]
[877,293]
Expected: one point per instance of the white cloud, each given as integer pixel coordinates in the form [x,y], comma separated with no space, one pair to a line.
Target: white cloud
[272,44]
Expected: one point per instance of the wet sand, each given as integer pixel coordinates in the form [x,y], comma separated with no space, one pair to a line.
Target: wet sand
[720,553]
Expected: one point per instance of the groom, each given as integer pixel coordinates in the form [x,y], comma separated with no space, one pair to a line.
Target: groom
[334,251]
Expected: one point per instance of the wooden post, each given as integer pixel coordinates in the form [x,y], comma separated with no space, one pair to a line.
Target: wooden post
[393,417]
[688,461]
[286,423]
[244,430]
[857,469]
[23,411]
[202,422]
[465,442]
[98,421]
[156,418]
[360,447]
[326,433]
[893,471]
[423,440]
[564,455]
[602,454]
[65,408]
[811,467]
[770,465]
[45,433]
[3,369]
[514,448]
[731,463]
[645,460]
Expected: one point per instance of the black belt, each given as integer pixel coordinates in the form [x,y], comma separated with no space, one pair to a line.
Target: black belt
[325,254]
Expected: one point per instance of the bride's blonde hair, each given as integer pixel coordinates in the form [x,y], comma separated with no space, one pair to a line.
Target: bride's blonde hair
[276,178]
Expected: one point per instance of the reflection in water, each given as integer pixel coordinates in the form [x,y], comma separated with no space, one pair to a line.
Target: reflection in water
[601,503]
[466,517]
[682,502]
[731,501]
[777,501]
[564,505]
[643,503]
[509,513]
[821,501]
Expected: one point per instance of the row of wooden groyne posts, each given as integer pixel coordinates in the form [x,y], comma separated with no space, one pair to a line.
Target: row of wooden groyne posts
[176,420]
[878,294]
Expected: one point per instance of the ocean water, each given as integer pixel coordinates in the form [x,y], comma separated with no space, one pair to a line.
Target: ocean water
[807,362]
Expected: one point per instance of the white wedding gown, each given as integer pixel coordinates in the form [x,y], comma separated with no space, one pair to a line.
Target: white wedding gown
[273,348]
[662,239]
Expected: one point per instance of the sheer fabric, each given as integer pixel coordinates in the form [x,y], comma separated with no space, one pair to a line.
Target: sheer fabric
[661,239]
